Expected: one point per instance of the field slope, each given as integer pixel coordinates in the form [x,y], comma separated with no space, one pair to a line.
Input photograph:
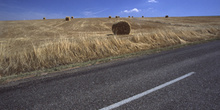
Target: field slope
[38,44]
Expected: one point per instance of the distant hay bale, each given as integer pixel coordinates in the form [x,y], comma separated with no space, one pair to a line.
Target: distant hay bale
[117,17]
[128,16]
[109,17]
[68,18]
[142,16]
[132,16]
[44,18]
[72,17]
[166,16]
[121,28]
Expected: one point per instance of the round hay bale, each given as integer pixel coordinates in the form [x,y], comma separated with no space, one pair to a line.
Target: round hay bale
[72,17]
[142,16]
[109,17]
[166,16]
[117,16]
[128,16]
[132,16]
[121,28]
[68,18]
[44,18]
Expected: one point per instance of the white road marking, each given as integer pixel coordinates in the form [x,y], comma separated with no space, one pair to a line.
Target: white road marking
[115,105]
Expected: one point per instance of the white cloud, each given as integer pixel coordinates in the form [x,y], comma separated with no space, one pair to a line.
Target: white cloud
[88,13]
[30,15]
[132,10]
[152,1]
[92,13]
[11,7]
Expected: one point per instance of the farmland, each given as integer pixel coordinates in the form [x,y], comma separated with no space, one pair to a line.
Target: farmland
[37,44]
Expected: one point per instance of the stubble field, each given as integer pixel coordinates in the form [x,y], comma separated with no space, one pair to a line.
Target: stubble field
[38,44]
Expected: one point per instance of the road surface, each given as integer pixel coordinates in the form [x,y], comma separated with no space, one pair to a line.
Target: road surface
[187,78]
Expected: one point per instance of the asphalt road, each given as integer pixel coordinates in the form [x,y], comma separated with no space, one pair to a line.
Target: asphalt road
[102,85]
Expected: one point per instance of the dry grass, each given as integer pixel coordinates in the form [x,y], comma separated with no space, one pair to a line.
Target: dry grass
[22,53]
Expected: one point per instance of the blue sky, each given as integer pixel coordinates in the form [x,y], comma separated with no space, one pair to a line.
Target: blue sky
[53,9]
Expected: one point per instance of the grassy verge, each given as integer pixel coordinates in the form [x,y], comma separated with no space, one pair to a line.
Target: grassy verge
[45,71]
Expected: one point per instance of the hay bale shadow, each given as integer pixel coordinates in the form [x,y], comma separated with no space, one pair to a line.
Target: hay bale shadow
[110,34]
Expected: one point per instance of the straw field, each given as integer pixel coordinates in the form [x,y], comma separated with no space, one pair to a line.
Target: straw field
[38,44]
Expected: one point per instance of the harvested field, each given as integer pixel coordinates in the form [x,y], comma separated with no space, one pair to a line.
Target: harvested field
[37,44]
